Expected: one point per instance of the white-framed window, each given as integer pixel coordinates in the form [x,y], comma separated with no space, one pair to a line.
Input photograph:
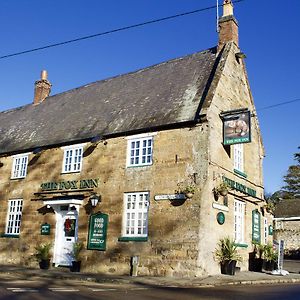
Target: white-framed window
[19,168]
[266,230]
[139,151]
[238,157]
[14,216]
[239,221]
[72,159]
[135,218]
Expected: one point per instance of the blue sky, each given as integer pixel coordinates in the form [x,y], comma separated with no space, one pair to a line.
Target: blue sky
[269,36]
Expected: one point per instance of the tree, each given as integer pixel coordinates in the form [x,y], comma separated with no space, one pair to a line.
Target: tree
[292,179]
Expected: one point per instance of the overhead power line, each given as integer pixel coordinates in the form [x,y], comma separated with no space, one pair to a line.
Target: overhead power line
[111,31]
[278,104]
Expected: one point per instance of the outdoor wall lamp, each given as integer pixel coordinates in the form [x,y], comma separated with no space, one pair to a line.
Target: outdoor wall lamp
[94,199]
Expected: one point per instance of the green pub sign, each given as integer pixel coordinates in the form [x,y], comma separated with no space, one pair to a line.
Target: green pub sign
[45,229]
[97,232]
[256,226]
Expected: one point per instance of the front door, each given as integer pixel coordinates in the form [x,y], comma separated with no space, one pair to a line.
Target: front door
[66,234]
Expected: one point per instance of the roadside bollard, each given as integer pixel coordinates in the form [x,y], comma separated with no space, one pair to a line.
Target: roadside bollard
[134,265]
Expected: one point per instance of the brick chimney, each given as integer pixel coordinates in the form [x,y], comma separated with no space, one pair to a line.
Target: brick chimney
[42,88]
[228,26]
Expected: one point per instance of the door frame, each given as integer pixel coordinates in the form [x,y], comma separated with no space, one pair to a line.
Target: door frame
[73,205]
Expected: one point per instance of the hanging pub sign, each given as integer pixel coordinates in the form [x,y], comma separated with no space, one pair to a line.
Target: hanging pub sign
[97,232]
[45,229]
[256,226]
[236,127]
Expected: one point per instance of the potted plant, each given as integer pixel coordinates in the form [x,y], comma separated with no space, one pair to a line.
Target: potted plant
[76,262]
[43,255]
[227,255]
[222,189]
[256,258]
[189,191]
[270,258]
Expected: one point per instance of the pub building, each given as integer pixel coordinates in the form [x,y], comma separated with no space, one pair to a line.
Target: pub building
[133,167]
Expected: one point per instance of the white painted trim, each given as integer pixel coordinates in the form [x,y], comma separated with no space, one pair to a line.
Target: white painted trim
[63,201]
[74,146]
[141,135]
[220,207]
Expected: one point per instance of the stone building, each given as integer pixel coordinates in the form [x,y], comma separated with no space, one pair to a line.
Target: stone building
[287,225]
[152,146]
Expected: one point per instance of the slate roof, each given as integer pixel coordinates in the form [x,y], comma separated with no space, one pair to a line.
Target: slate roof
[164,94]
[287,208]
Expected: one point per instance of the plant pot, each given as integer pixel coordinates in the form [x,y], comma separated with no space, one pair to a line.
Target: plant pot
[75,266]
[189,195]
[228,267]
[269,265]
[256,265]
[44,264]
[224,192]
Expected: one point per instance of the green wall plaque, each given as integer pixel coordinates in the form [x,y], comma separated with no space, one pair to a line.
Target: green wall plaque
[256,226]
[270,230]
[45,229]
[97,232]
[221,218]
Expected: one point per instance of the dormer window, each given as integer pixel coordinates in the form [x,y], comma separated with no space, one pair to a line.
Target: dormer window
[72,159]
[19,168]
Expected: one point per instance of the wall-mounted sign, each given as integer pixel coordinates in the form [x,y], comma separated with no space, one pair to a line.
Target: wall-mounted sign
[236,128]
[270,230]
[240,187]
[69,185]
[220,218]
[97,231]
[170,197]
[45,229]
[256,226]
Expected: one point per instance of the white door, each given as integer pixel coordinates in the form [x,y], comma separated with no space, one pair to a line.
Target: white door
[66,234]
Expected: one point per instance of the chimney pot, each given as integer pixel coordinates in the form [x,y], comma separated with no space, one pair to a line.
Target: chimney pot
[42,88]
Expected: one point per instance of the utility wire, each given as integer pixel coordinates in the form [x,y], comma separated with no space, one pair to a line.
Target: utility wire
[112,31]
[278,104]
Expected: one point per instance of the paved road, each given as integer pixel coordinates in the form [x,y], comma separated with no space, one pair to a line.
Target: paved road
[72,290]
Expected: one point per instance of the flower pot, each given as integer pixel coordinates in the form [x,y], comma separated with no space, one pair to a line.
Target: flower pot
[224,192]
[44,264]
[228,267]
[189,195]
[269,265]
[75,266]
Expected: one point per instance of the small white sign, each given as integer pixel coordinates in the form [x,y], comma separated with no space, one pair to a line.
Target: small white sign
[170,197]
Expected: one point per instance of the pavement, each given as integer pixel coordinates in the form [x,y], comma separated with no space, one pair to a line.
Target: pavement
[244,277]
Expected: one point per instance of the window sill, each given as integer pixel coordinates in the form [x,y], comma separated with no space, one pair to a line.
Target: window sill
[241,245]
[71,172]
[17,178]
[4,235]
[133,239]
[240,173]
[138,166]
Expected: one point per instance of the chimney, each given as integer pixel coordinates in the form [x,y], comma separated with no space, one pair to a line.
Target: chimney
[228,26]
[42,88]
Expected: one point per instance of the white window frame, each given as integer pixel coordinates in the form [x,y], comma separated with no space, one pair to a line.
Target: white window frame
[72,163]
[239,221]
[238,157]
[19,167]
[141,155]
[135,216]
[266,231]
[14,217]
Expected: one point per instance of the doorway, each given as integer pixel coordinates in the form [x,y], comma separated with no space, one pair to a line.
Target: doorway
[66,231]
